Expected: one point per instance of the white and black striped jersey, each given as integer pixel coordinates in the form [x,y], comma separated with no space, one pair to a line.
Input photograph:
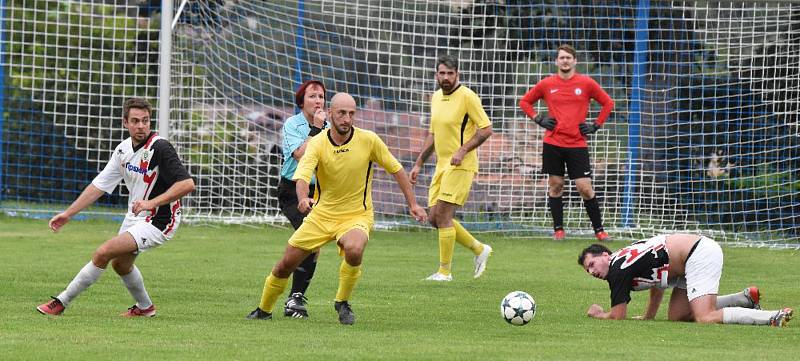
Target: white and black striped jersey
[640,266]
[148,170]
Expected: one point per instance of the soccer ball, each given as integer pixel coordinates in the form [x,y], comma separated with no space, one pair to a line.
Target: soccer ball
[518,308]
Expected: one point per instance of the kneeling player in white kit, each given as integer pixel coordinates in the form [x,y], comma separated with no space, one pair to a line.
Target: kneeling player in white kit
[691,264]
[156,180]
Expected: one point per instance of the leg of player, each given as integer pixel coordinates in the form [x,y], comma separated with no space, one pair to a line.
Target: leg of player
[704,310]
[442,214]
[748,298]
[276,281]
[132,279]
[679,309]
[90,273]
[584,186]
[352,244]
[555,190]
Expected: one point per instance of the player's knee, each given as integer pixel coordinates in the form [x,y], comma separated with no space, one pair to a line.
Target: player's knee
[101,257]
[121,268]
[353,254]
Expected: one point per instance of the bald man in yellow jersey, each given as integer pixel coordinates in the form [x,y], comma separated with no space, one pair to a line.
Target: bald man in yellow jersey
[458,126]
[342,157]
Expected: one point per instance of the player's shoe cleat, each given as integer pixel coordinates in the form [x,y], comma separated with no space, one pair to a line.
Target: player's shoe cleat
[781,319]
[135,311]
[480,260]
[258,314]
[438,277]
[559,235]
[602,236]
[54,307]
[296,306]
[346,315]
[753,295]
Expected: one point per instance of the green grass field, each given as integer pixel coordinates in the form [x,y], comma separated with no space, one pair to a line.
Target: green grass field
[207,279]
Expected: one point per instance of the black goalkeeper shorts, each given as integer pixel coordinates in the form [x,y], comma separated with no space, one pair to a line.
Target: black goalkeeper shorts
[554,158]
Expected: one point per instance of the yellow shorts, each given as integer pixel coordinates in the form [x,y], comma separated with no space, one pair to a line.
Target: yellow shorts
[450,185]
[315,232]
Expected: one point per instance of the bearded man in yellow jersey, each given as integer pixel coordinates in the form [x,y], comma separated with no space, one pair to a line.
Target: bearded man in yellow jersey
[342,157]
[458,126]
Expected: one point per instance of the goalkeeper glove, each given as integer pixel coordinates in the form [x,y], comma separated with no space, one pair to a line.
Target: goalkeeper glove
[588,128]
[546,122]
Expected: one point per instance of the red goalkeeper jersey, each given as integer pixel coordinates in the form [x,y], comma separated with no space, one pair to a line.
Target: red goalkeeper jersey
[568,102]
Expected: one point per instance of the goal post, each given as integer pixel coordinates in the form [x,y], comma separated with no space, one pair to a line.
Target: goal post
[704,136]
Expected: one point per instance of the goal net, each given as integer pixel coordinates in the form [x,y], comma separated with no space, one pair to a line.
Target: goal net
[703,138]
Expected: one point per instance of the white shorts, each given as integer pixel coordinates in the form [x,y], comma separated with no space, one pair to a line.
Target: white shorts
[703,270]
[146,235]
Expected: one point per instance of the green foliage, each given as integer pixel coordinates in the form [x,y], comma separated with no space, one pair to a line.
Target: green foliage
[767,181]
[207,279]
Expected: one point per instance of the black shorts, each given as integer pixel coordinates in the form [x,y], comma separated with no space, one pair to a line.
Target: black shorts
[287,200]
[576,159]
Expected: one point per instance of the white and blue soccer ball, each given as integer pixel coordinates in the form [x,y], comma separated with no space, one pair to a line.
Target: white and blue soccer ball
[518,308]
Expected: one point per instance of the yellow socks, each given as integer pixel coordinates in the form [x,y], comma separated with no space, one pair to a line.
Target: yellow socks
[273,288]
[466,239]
[447,240]
[348,276]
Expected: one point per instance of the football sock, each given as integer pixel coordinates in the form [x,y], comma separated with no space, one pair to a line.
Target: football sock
[348,276]
[737,299]
[464,238]
[302,276]
[556,206]
[273,287]
[593,210]
[746,316]
[135,284]
[85,278]
[447,240]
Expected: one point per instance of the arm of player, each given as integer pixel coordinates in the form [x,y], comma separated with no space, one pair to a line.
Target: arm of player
[304,203]
[89,195]
[173,193]
[656,295]
[480,136]
[600,96]
[405,186]
[529,99]
[424,154]
[617,312]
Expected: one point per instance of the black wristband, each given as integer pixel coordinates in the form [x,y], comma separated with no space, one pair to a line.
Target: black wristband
[314,131]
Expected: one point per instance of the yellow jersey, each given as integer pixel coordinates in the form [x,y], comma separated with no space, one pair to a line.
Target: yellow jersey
[455,118]
[344,173]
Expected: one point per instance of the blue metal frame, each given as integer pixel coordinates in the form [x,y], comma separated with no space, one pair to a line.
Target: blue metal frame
[300,43]
[2,88]
[635,111]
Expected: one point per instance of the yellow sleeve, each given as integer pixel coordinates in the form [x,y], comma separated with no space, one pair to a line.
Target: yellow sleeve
[382,156]
[309,161]
[476,113]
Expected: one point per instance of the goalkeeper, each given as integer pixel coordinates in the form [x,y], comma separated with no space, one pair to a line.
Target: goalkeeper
[568,95]
[691,264]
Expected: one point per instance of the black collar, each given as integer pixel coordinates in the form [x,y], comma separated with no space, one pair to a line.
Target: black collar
[330,139]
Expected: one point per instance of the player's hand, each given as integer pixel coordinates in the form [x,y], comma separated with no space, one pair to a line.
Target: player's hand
[545,121]
[588,128]
[58,221]
[457,157]
[142,205]
[594,310]
[305,205]
[419,214]
[412,177]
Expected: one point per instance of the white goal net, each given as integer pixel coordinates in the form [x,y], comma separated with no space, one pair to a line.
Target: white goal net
[704,136]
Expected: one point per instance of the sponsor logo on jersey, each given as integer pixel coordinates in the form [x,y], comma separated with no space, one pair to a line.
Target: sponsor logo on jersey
[553,91]
[132,168]
[343,150]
